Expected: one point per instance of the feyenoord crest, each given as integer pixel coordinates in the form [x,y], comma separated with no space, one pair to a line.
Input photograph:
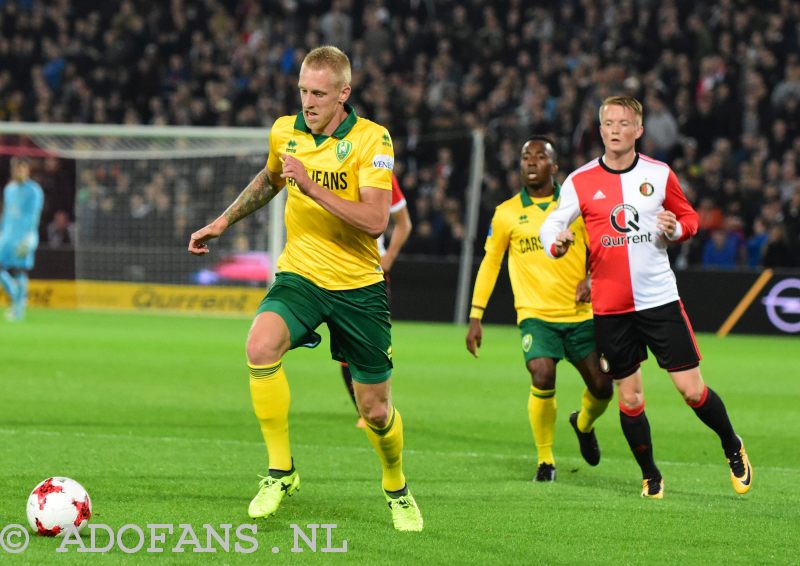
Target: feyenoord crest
[605,367]
[343,150]
[646,189]
[527,341]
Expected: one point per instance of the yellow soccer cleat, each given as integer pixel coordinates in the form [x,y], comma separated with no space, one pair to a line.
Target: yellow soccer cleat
[405,513]
[270,494]
[741,471]
[653,488]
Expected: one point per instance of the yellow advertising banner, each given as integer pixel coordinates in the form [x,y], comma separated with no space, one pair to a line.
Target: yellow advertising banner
[142,297]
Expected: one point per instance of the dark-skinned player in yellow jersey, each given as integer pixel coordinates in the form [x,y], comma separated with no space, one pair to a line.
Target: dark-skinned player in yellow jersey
[553,310]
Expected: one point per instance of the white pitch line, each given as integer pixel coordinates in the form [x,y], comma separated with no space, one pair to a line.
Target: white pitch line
[253,443]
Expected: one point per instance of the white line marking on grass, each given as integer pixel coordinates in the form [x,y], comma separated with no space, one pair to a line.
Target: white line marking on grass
[254,443]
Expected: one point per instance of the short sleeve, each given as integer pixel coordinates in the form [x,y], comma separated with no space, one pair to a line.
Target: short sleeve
[377,161]
[274,162]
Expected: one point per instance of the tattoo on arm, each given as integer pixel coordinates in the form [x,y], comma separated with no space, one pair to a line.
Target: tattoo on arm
[255,195]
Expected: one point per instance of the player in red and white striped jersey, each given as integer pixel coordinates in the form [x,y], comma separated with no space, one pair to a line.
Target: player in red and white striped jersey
[401,222]
[633,206]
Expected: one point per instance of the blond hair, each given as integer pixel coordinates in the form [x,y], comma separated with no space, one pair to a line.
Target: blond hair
[331,57]
[625,102]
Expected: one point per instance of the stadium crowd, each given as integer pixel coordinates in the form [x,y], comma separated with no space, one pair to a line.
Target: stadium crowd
[720,82]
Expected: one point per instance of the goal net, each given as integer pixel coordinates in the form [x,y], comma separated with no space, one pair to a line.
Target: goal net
[141,191]
[136,194]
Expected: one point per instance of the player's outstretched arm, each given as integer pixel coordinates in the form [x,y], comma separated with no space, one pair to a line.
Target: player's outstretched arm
[256,194]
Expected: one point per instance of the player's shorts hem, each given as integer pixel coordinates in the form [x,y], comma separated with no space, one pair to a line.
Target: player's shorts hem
[299,335]
[572,341]
[684,367]
[626,373]
[369,377]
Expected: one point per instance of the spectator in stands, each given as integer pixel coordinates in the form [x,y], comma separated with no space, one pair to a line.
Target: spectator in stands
[791,219]
[61,231]
[337,26]
[777,252]
[440,67]
[661,129]
[721,250]
[757,244]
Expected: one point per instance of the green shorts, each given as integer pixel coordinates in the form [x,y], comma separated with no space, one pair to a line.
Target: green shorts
[358,321]
[557,340]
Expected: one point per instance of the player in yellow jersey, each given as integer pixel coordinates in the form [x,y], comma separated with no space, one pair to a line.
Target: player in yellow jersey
[552,302]
[337,169]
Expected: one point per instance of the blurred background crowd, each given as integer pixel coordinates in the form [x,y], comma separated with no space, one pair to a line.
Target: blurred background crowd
[720,82]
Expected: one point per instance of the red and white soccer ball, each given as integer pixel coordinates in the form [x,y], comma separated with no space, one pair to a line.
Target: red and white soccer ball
[57,503]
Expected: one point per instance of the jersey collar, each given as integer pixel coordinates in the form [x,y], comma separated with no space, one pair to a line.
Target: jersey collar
[339,133]
[619,171]
[527,201]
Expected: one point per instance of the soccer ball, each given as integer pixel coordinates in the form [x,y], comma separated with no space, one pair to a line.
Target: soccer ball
[57,503]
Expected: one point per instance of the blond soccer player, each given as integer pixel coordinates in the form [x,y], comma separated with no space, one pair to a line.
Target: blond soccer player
[336,168]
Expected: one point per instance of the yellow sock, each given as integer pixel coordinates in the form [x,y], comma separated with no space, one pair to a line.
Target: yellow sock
[269,391]
[542,414]
[591,409]
[388,443]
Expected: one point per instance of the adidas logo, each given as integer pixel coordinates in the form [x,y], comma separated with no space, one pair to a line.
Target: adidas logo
[599,195]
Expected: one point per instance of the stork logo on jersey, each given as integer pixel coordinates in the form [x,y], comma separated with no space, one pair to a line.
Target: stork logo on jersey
[523,219]
[387,141]
[625,218]
[646,189]
[291,147]
[343,150]
[527,342]
[605,367]
[783,305]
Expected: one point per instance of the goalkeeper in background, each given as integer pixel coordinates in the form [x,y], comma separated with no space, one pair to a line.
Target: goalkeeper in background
[337,170]
[552,302]
[23,199]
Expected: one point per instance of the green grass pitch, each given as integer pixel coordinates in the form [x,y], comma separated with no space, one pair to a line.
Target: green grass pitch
[152,415]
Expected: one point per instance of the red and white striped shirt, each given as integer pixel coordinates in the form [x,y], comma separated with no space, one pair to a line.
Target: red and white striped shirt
[398,204]
[627,253]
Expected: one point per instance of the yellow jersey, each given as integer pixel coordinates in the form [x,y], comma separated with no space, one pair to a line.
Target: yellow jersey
[319,246]
[543,288]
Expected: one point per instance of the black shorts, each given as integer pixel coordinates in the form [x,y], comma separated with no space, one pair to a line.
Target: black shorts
[623,339]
